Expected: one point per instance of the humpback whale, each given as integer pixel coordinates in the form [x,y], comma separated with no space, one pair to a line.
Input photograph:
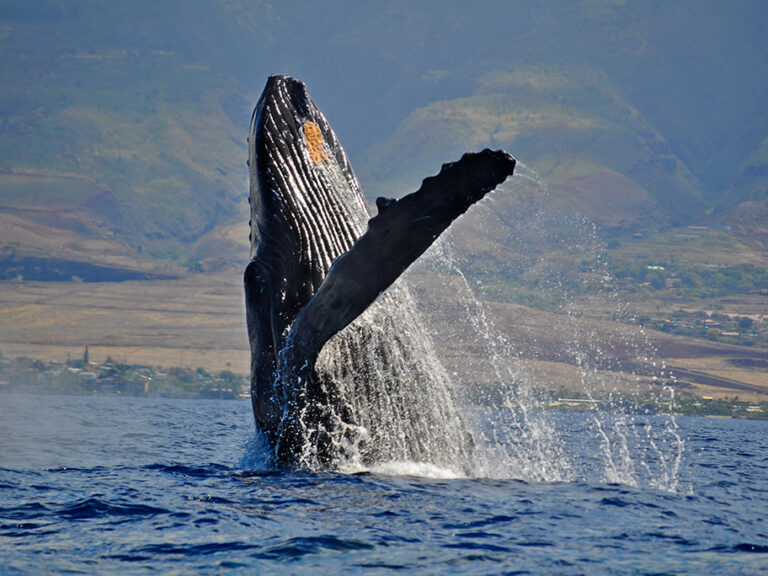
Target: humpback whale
[342,369]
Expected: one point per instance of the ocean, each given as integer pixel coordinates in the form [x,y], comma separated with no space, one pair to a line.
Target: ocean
[117,485]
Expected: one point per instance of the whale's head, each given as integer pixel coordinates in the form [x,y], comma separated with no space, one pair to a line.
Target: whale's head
[306,204]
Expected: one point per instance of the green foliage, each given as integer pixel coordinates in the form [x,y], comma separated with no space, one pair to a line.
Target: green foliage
[150,101]
[746,323]
[690,281]
[731,329]
[75,377]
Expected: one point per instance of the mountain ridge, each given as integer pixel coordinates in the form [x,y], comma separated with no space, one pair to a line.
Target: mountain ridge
[625,108]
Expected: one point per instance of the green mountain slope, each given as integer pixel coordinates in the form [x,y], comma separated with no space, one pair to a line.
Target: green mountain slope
[138,119]
[636,113]
[601,157]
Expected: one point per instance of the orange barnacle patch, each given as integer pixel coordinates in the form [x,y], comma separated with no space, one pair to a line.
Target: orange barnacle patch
[314,139]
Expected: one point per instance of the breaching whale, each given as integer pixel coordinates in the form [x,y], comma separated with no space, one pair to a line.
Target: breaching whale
[342,369]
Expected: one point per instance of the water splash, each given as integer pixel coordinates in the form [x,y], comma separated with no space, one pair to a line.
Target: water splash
[522,442]
[385,397]
[523,438]
[399,411]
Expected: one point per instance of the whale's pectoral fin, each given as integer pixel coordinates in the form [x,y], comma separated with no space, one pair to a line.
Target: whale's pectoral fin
[395,238]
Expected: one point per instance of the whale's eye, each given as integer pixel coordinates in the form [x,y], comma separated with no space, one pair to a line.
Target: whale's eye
[314,140]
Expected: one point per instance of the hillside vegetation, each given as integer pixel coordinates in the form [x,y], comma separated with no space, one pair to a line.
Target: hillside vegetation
[600,156]
[130,121]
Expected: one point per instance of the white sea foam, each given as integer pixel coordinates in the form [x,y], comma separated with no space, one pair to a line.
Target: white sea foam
[404,468]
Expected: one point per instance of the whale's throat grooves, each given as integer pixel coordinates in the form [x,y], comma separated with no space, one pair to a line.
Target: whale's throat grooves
[307,195]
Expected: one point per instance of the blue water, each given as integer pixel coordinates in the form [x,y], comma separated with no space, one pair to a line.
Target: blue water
[136,485]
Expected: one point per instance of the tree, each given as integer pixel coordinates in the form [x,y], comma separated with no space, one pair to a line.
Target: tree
[745,323]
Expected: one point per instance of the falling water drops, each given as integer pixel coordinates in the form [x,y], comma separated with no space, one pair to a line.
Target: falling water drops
[523,436]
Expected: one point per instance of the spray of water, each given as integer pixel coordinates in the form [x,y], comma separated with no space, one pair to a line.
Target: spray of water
[523,437]
[385,398]
[400,412]
[520,440]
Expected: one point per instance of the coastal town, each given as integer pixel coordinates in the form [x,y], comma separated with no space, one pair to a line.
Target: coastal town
[81,376]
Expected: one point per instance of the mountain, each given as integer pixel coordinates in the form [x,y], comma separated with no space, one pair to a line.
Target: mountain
[122,127]
[601,157]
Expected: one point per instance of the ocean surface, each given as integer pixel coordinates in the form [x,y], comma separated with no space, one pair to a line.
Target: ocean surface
[111,485]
